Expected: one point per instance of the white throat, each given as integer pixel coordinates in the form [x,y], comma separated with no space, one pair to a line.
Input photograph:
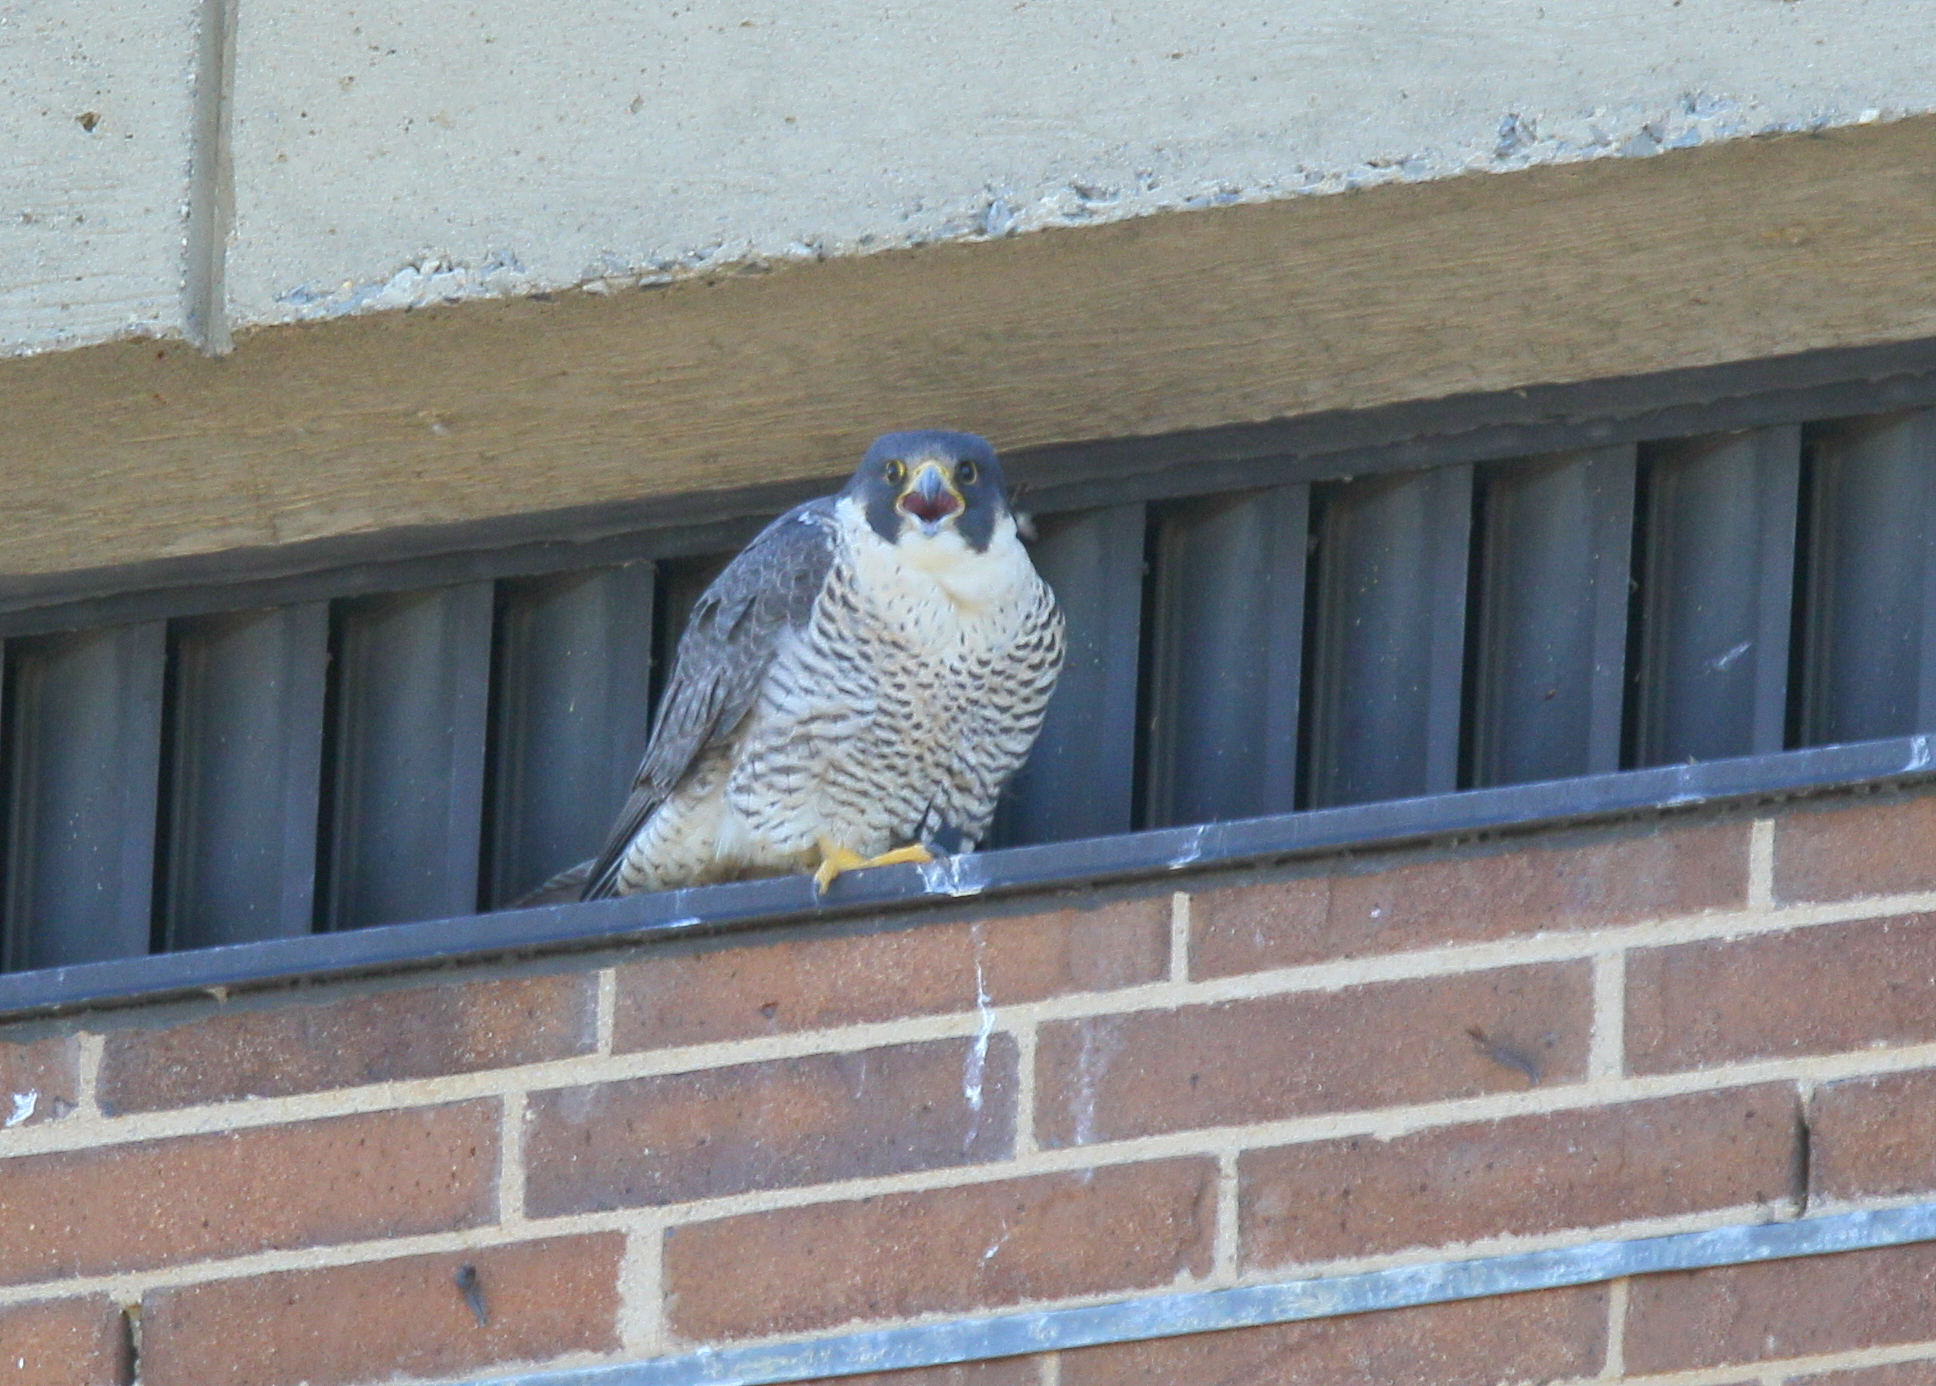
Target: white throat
[967,579]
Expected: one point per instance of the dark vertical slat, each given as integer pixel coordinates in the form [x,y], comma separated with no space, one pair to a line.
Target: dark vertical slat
[1229,634]
[247,757]
[1717,594]
[573,712]
[86,732]
[1080,779]
[1390,636]
[1871,657]
[414,675]
[1552,637]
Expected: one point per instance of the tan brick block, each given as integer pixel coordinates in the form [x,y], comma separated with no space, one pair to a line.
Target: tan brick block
[1116,1076]
[375,1321]
[1874,1137]
[1472,897]
[1009,1371]
[1121,1228]
[745,989]
[1920,1373]
[39,1079]
[1325,1200]
[769,1125]
[312,1183]
[65,1342]
[1870,847]
[301,1046]
[1544,1336]
[1818,990]
[1813,1305]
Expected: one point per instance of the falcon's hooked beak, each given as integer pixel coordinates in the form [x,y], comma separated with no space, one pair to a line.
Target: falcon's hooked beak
[930,498]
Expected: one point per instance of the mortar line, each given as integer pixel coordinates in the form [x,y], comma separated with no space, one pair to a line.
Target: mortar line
[130,1286]
[1607,1051]
[1026,1117]
[1226,1264]
[1049,1364]
[607,1012]
[1381,1123]
[1615,1367]
[641,1291]
[1761,865]
[87,1076]
[1793,1371]
[1180,936]
[512,1117]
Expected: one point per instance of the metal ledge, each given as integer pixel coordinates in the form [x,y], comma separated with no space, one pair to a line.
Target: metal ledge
[1291,1301]
[1015,871]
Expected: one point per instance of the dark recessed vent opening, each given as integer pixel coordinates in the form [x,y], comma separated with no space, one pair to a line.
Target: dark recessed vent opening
[1378,630]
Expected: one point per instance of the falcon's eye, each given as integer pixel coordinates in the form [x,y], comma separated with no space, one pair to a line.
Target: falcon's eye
[895,472]
[965,473]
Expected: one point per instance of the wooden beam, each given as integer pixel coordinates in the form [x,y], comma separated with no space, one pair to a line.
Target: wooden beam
[137,451]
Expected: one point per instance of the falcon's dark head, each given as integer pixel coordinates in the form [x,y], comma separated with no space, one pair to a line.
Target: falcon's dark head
[928,481]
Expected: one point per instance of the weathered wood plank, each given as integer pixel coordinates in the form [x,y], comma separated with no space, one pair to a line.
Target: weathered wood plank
[143,450]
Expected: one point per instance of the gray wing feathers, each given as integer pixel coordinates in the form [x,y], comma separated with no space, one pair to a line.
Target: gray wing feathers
[723,656]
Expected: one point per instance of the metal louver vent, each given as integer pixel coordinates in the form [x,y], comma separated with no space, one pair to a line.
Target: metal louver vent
[1365,628]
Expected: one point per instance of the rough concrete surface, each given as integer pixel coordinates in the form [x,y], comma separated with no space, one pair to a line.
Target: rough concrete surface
[389,155]
[95,118]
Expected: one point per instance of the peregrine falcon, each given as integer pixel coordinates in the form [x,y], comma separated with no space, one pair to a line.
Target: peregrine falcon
[856,686]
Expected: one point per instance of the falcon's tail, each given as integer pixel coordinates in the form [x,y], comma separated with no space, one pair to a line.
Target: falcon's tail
[567,886]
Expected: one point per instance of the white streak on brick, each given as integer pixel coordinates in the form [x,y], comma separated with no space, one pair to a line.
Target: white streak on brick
[977,1063]
[24,1104]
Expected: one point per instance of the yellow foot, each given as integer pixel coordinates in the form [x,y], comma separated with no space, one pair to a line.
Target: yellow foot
[834,860]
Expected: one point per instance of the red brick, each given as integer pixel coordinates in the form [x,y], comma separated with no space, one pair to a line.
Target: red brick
[1324,1200]
[309,1046]
[1473,897]
[1895,1374]
[39,1079]
[1874,847]
[769,1125]
[745,989]
[1780,1309]
[1125,1227]
[378,1320]
[1009,1371]
[1873,1137]
[1480,1342]
[65,1342]
[1817,990]
[1115,1076]
[168,1202]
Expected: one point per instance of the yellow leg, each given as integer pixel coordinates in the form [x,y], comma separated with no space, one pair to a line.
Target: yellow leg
[834,860]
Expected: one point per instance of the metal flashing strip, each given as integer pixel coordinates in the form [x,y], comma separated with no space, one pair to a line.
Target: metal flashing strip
[1086,863]
[1251,1306]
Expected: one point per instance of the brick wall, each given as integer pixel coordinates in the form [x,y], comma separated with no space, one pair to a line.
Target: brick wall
[1344,1065]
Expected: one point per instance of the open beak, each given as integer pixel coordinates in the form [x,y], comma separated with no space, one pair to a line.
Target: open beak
[930,498]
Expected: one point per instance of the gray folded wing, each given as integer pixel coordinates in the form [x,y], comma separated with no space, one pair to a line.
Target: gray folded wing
[723,657]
